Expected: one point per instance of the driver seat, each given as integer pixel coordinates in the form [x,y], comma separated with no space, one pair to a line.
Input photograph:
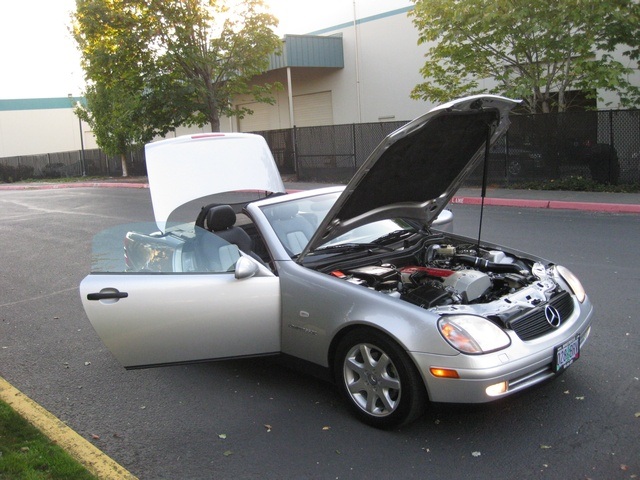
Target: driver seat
[221,219]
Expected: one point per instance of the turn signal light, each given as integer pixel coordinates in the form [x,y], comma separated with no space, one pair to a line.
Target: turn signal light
[443,373]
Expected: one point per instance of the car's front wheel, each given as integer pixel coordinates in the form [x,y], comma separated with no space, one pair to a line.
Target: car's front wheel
[379,379]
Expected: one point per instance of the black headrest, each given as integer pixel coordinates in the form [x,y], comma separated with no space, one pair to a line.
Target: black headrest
[220,217]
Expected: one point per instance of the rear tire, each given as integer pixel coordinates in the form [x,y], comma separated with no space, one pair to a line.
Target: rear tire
[379,380]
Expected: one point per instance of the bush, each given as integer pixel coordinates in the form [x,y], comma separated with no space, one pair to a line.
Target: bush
[53,170]
[577,184]
[9,173]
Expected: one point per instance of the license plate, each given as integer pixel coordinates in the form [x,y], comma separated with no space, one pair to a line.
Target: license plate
[565,354]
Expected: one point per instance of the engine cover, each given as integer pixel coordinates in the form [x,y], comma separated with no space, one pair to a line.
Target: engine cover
[470,284]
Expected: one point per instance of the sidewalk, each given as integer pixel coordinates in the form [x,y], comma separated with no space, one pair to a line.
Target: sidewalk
[552,199]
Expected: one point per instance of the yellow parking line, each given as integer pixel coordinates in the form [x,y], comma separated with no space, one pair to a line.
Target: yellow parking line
[84,452]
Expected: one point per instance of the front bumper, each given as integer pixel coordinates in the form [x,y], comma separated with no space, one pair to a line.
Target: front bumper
[520,368]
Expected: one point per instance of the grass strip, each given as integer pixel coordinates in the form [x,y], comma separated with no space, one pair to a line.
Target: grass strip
[25,453]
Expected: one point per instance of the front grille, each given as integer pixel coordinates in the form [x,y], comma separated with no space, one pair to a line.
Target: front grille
[533,324]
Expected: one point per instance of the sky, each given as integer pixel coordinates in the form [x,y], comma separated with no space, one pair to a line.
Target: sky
[39,59]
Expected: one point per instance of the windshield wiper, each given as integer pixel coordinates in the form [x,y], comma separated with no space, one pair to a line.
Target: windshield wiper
[351,247]
[393,236]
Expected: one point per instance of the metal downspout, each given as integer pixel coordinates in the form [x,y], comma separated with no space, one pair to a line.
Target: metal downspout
[355,31]
[290,92]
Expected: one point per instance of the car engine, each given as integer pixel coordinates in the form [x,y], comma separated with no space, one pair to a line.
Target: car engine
[456,277]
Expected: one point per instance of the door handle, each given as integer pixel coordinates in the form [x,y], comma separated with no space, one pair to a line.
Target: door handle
[106,295]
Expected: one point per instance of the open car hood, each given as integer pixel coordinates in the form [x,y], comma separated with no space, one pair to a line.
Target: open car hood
[189,167]
[416,170]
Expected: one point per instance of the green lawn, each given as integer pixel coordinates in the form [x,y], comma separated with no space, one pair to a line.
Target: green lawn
[26,454]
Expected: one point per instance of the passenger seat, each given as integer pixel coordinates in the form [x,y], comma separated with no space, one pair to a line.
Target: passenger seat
[293,230]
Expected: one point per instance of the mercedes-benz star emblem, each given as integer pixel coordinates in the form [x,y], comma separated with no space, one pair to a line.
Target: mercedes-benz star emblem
[552,315]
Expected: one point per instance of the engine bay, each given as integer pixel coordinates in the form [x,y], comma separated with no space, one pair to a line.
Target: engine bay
[452,276]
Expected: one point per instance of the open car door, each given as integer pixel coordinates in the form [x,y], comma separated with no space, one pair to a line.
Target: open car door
[173,307]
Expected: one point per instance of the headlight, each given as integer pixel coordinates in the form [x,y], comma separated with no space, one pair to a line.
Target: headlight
[573,282]
[471,334]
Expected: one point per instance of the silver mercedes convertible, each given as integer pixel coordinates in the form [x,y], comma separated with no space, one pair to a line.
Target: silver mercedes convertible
[366,283]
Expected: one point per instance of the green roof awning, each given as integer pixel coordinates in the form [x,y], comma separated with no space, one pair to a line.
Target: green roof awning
[309,51]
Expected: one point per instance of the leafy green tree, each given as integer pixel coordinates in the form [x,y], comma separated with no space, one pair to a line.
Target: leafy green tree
[152,65]
[123,96]
[109,116]
[218,51]
[537,51]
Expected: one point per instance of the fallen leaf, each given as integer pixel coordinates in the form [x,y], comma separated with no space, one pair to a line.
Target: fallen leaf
[637,414]
[95,437]
[326,428]
[476,454]
[579,398]
[545,447]
[268,427]
[566,392]
[222,436]
[228,453]
[624,467]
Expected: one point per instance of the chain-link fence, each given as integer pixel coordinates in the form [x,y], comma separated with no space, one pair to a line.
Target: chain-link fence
[603,146]
[88,162]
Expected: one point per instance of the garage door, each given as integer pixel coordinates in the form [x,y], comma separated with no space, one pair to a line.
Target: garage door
[260,120]
[313,109]
[309,110]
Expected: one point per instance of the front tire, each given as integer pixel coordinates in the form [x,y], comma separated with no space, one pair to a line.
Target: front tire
[379,380]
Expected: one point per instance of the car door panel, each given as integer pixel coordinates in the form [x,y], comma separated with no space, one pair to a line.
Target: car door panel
[156,319]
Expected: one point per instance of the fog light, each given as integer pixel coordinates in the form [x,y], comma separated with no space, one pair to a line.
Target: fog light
[443,373]
[497,389]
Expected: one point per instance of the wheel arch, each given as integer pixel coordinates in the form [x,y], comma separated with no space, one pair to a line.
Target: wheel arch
[352,327]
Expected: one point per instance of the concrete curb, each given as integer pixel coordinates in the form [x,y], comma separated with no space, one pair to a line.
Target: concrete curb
[80,449]
[551,204]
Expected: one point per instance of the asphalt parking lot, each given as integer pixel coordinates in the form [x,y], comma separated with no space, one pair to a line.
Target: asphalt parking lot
[256,419]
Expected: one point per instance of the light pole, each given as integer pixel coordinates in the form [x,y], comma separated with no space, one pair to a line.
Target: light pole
[82,161]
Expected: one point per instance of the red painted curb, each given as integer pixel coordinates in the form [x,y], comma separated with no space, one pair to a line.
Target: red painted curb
[551,204]
[596,207]
[501,202]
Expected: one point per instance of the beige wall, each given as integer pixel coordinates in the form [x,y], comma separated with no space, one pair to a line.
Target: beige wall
[30,132]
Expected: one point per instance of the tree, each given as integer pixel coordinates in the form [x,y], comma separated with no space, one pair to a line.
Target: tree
[218,51]
[153,65]
[537,51]
[124,105]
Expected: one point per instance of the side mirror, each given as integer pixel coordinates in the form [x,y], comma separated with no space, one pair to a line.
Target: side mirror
[245,268]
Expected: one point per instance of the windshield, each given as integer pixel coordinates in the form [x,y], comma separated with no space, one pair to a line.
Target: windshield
[295,222]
